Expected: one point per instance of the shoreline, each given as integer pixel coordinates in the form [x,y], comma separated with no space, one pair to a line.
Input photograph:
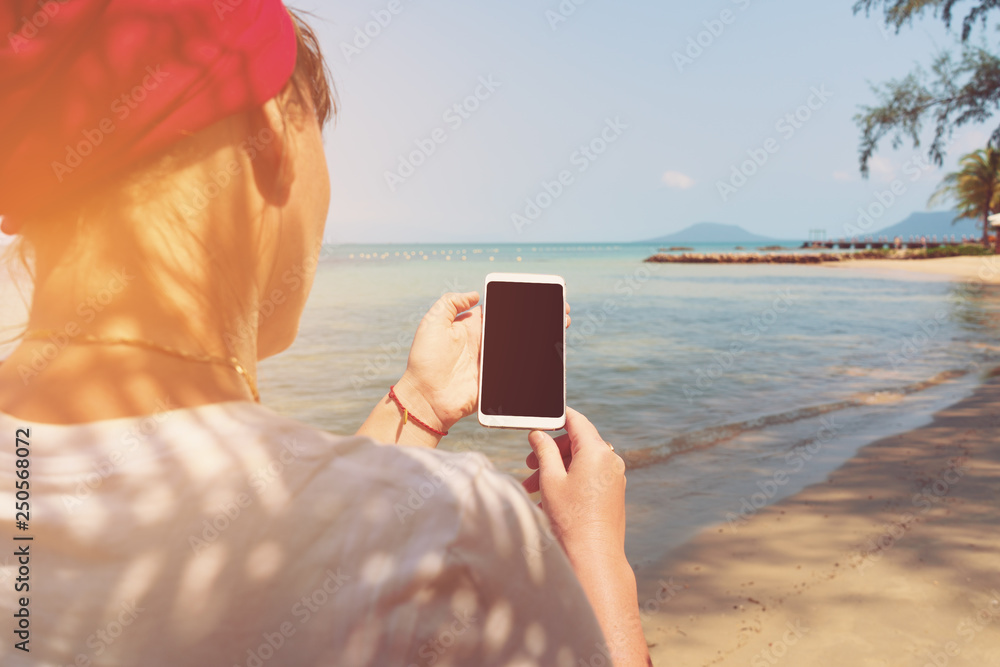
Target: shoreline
[890,561]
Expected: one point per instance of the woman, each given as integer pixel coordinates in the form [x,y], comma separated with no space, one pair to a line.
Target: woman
[164,169]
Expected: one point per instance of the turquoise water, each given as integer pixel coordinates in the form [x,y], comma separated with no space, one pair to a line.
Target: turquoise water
[662,358]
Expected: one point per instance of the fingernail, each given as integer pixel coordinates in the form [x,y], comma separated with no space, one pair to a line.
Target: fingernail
[535,437]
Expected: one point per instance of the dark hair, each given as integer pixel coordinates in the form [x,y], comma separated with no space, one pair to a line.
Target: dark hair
[311,71]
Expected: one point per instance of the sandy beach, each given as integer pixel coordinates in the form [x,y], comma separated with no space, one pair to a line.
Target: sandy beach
[892,561]
[965,269]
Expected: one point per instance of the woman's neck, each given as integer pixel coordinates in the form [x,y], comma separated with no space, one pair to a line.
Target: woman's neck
[63,377]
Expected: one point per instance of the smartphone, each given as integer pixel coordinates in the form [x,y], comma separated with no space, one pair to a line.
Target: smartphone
[522,368]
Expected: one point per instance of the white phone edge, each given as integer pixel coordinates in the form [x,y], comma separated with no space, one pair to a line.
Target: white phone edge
[524,423]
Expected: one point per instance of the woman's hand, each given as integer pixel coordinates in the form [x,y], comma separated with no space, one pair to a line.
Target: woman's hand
[441,382]
[442,371]
[582,482]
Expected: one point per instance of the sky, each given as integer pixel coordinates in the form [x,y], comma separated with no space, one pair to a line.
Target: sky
[553,121]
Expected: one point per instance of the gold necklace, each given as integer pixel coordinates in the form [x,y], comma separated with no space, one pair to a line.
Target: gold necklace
[232,362]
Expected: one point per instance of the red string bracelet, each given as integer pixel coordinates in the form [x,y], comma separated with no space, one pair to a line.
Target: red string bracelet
[407,416]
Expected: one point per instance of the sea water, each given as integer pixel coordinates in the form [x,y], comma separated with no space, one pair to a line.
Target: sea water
[661,357]
[704,377]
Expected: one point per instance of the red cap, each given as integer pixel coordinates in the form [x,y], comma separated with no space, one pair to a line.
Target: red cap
[90,87]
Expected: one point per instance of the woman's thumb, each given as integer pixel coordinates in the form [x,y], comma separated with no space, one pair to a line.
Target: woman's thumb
[453,303]
[550,461]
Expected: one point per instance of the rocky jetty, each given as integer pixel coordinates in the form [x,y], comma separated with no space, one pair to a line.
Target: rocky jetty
[762,258]
[817,257]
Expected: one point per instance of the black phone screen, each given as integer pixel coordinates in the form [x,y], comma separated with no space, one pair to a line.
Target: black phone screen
[522,371]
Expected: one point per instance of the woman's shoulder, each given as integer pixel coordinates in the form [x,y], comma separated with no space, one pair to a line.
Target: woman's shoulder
[400,485]
[422,506]
[367,457]
[434,544]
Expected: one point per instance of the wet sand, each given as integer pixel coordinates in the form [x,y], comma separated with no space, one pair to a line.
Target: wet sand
[894,560]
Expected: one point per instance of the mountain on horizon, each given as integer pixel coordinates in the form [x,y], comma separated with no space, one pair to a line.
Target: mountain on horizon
[711,232]
[928,224]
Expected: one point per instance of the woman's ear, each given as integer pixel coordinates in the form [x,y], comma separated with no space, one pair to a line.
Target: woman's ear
[271,150]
